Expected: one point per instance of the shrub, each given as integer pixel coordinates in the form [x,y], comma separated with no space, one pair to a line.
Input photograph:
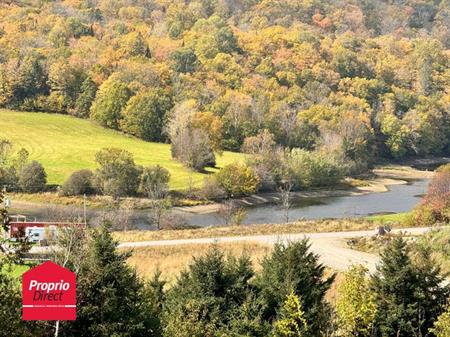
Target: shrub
[313,169]
[237,180]
[32,178]
[436,203]
[442,324]
[117,175]
[154,181]
[80,182]
[211,189]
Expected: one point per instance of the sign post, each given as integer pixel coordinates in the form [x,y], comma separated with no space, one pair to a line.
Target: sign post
[49,293]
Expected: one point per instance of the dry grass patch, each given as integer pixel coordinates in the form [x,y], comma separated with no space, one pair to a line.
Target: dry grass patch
[313,226]
[171,260]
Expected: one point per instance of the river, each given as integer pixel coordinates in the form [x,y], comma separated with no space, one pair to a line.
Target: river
[398,198]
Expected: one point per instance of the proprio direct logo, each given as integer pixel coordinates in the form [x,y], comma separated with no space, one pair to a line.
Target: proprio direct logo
[49,293]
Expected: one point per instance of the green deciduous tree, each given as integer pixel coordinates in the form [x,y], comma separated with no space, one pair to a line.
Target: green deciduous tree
[355,304]
[32,178]
[85,99]
[185,60]
[111,98]
[145,114]
[117,174]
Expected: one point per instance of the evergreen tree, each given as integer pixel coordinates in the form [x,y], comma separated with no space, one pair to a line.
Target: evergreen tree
[293,268]
[111,298]
[409,296]
[204,297]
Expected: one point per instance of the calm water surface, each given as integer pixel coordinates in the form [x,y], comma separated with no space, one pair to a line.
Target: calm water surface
[399,198]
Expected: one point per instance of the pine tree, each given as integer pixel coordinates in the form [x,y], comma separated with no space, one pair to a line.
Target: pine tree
[205,296]
[110,296]
[408,296]
[294,268]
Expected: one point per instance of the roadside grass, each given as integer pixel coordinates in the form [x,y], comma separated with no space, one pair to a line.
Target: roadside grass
[64,144]
[312,226]
[386,218]
[171,260]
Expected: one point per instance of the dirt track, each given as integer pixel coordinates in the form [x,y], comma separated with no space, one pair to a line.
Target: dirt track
[330,246]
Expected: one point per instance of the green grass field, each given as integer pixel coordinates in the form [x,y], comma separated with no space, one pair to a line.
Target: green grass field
[64,144]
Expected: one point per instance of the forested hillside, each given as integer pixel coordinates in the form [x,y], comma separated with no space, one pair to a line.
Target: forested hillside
[364,78]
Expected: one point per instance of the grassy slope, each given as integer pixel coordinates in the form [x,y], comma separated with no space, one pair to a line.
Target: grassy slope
[64,144]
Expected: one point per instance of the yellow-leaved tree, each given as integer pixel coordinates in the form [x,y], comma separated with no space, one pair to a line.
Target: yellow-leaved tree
[355,304]
[291,321]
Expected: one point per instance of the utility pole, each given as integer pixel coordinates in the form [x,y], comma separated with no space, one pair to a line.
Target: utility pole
[84,209]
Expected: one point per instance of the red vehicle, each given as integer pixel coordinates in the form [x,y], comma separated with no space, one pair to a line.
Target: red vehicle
[19,223]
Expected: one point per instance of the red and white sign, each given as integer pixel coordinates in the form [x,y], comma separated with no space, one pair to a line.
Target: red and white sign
[49,293]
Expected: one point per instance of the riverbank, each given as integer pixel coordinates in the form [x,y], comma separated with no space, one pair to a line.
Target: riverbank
[354,194]
[378,182]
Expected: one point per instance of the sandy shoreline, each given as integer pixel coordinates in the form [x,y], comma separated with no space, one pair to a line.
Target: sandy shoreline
[383,178]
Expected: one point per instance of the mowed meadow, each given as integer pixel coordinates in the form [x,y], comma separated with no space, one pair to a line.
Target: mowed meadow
[64,144]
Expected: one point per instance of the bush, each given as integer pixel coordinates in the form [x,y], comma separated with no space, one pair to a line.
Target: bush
[313,169]
[237,180]
[8,177]
[154,181]
[80,182]
[32,178]
[211,189]
[435,206]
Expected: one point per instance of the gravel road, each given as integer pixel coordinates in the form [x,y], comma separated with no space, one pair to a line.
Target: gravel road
[330,246]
